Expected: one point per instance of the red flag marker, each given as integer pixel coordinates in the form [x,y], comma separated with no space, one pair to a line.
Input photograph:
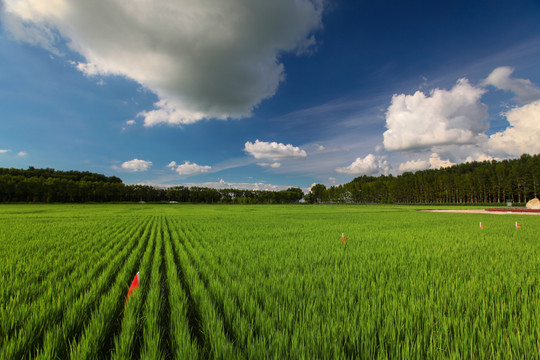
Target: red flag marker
[518,226]
[343,236]
[481,226]
[133,287]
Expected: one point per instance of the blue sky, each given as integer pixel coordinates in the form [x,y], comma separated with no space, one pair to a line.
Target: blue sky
[266,95]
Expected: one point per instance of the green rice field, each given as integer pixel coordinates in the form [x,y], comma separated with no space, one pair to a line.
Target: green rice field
[266,282]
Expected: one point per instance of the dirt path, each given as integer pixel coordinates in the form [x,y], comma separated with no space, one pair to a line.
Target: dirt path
[482,211]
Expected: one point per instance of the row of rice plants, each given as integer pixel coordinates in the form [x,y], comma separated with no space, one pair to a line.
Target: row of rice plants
[245,245]
[127,342]
[253,332]
[59,286]
[57,323]
[77,313]
[151,346]
[286,263]
[49,311]
[26,286]
[235,331]
[97,338]
[210,332]
[183,336]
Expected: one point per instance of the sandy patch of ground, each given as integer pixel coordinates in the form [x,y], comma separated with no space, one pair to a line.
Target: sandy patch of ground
[482,211]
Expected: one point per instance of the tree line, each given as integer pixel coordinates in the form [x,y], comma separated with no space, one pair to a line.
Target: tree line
[492,181]
[52,186]
[74,175]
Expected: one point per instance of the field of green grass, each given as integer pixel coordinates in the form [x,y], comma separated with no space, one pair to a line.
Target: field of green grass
[256,282]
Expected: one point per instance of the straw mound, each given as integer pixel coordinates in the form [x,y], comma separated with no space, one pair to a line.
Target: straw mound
[533,204]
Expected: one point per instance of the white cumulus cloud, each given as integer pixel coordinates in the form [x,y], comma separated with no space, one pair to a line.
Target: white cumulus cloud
[445,117]
[369,165]
[203,59]
[188,168]
[436,162]
[521,136]
[273,150]
[3,151]
[480,157]
[413,165]
[524,89]
[136,165]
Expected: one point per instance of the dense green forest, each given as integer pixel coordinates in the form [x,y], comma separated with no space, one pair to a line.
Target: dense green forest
[49,185]
[477,182]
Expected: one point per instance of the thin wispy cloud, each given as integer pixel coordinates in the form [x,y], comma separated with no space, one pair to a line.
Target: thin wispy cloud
[524,89]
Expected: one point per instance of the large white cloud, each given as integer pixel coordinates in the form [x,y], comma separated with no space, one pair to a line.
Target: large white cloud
[204,59]
[521,136]
[523,88]
[455,116]
[369,165]
[451,126]
[188,168]
[273,150]
[136,165]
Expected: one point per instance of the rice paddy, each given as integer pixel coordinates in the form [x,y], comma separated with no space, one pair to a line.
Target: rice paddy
[266,281]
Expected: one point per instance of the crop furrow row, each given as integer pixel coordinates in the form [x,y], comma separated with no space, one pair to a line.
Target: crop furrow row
[247,320]
[57,341]
[28,338]
[100,330]
[215,292]
[61,285]
[218,344]
[192,310]
[165,320]
[127,343]
[182,340]
[152,341]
